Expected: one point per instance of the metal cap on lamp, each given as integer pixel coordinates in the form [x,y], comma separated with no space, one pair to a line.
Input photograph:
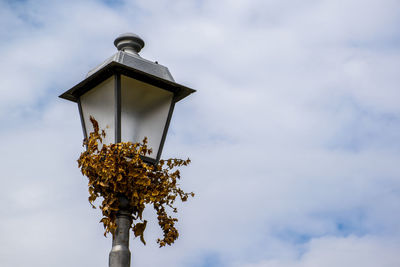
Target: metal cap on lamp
[129,43]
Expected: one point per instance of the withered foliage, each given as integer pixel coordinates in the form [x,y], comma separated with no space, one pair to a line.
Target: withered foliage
[117,170]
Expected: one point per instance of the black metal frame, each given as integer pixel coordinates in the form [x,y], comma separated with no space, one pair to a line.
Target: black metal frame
[87,84]
[82,119]
[117,70]
[117,103]
[166,127]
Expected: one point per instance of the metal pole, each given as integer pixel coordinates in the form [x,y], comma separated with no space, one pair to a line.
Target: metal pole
[120,256]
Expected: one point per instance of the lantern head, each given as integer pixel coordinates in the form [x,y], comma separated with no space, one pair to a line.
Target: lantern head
[130,97]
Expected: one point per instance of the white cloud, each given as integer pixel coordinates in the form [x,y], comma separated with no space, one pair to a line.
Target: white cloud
[293,131]
[346,252]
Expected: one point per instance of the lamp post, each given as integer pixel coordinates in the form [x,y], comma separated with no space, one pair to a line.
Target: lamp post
[131,98]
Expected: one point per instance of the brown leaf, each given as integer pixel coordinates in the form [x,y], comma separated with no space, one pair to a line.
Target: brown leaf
[138,230]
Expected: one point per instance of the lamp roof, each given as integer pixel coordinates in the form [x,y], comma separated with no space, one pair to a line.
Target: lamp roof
[128,62]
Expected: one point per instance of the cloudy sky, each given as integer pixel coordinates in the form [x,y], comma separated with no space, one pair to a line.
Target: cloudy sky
[294,131]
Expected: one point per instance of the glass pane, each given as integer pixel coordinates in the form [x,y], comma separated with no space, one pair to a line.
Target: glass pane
[99,103]
[144,112]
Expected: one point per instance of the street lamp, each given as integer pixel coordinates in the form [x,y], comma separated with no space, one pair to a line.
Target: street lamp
[131,98]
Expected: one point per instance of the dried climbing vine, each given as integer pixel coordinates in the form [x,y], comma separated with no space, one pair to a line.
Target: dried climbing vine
[117,170]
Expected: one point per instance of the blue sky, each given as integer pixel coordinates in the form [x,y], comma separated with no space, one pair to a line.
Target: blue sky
[293,132]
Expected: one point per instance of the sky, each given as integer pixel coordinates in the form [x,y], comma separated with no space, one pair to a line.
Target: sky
[293,133]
